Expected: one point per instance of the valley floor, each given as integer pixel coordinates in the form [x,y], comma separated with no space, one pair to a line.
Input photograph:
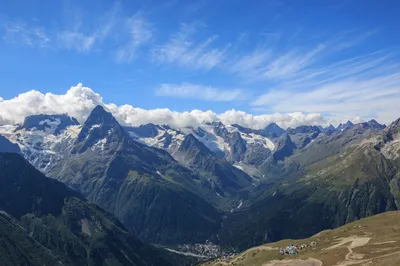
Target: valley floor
[371,241]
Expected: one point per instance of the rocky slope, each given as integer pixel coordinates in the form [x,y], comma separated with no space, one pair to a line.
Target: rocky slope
[45,223]
[225,179]
[43,138]
[155,197]
[340,178]
[244,147]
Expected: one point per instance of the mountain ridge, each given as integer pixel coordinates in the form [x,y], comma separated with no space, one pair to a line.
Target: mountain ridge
[61,226]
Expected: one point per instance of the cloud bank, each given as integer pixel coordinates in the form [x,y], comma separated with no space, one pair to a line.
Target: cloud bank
[79,101]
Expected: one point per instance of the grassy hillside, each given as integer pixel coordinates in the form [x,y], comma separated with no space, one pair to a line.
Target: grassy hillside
[371,241]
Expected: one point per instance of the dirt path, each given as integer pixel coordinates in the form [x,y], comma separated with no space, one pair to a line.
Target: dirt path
[352,257]
[261,248]
[189,254]
[382,243]
[246,252]
[307,262]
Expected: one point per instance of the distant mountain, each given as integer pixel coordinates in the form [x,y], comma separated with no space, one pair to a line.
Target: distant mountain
[54,124]
[370,124]
[272,130]
[43,138]
[374,124]
[344,126]
[45,223]
[162,137]
[284,147]
[337,178]
[156,198]
[245,147]
[303,135]
[145,131]
[226,179]
[327,129]
[192,147]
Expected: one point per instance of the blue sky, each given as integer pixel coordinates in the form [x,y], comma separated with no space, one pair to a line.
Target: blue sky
[339,59]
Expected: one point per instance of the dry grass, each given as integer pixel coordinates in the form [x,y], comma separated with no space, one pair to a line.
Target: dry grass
[371,241]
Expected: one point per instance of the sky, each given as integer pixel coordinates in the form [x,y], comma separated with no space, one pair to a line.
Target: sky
[188,62]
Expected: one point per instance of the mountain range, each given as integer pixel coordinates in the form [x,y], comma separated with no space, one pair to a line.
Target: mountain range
[226,184]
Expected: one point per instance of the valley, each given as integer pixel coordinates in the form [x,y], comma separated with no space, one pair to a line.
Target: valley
[216,190]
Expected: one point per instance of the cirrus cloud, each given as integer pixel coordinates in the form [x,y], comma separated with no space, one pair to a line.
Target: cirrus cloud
[187,90]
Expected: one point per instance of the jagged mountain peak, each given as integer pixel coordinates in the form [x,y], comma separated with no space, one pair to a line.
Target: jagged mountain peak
[284,147]
[149,130]
[343,126]
[393,129]
[395,124]
[54,124]
[100,128]
[373,123]
[100,116]
[216,124]
[218,128]
[273,130]
[330,127]
[303,129]
[192,144]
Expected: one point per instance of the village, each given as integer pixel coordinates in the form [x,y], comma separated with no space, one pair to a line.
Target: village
[294,249]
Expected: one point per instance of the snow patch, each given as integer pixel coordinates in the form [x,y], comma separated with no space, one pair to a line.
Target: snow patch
[238,167]
[52,125]
[100,145]
[240,204]
[252,138]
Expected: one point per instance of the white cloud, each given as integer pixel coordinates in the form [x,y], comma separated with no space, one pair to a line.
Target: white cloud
[81,33]
[324,79]
[284,120]
[76,41]
[127,33]
[251,64]
[290,63]
[314,58]
[21,33]
[187,90]
[375,97]
[78,102]
[278,65]
[181,50]
[140,33]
